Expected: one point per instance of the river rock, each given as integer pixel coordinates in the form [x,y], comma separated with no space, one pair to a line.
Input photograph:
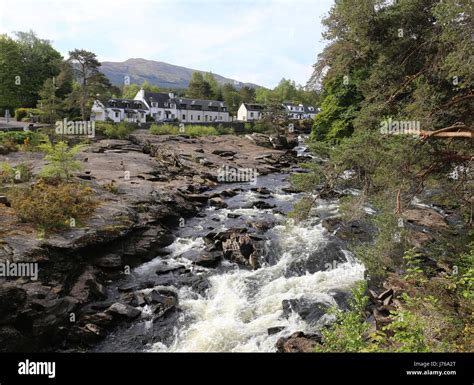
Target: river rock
[298,342]
[218,202]
[275,330]
[325,257]
[261,205]
[109,261]
[87,287]
[311,312]
[208,258]
[123,310]
[357,230]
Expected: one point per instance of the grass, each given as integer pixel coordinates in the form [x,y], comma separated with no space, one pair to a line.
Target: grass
[114,131]
[192,130]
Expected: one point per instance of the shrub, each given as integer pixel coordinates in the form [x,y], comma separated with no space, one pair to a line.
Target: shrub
[22,113]
[348,333]
[19,137]
[200,130]
[408,332]
[18,174]
[113,130]
[61,161]
[163,129]
[221,130]
[52,206]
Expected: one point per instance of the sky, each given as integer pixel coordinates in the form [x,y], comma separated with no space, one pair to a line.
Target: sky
[260,41]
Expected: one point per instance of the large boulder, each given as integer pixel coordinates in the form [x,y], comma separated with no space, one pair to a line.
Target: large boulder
[325,257]
[311,312]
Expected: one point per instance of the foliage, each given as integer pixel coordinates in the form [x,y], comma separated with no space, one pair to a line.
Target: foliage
[414,272]
[61,162]
[196,130]
[462,278]
[52,206]
[164,129]
[349,331]
[29,140]
[198,87]
[17,174]
[114,130]
[192,130]
[22,113]
[407,59]
[407,332]
[221,130]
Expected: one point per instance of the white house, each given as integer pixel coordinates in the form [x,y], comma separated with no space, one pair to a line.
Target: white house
[163,107]
[119,110]
[300,111]
[248,112]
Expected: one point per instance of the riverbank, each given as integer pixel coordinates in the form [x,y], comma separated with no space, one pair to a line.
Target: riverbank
[147,186]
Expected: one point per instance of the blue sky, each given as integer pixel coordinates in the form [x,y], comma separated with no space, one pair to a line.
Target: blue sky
[251,41]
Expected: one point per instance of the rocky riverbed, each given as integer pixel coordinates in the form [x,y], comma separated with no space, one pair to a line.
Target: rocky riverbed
[173,259]
[147,186]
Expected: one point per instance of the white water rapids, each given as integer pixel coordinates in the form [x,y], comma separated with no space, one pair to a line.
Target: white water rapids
[241,305]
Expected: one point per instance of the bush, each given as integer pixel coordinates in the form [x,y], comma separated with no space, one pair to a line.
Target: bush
[348,333]
[52,207]
[113,130]
[61,161]
[18,174]
[200,130]
[163,129]
[19,137]
[192,130]
[221,130]
[22,113]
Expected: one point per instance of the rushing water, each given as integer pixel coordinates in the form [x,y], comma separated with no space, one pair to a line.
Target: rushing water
[240,305]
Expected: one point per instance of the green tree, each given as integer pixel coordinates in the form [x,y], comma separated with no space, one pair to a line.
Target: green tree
[247,94]
[10,67]
[198,87]
[209,78]
[40,62]
[86,66]
[49,103]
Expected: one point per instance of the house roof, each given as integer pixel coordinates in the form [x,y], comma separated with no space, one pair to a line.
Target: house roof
[163,100]
[157,97]
[254,107]
[202,104]
[307,109]
[126,104]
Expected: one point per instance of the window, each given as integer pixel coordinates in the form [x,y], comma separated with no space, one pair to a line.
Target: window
[184,117]
[199,117]
[251,114]
[191,117]
[116,114]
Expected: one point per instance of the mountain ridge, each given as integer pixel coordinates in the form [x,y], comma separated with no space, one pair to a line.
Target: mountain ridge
[158,73]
